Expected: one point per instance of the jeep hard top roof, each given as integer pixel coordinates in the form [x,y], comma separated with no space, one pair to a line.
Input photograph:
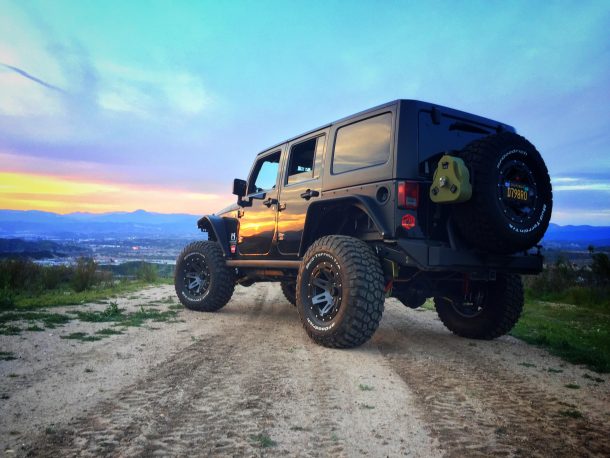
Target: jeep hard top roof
[405,105]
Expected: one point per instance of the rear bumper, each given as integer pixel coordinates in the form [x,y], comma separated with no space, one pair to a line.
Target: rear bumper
[422,255]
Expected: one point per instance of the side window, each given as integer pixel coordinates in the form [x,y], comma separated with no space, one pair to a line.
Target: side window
[302,160]
[363,144]
[265,172]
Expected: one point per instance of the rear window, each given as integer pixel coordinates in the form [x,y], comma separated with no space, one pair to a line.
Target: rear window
[363,144]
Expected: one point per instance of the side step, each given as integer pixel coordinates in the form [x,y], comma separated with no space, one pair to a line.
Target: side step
[266,264]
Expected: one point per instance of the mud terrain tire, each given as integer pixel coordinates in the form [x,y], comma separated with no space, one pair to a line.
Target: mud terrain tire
[202,280]
[504,168]
[340,292]
[499,309]
[289,288]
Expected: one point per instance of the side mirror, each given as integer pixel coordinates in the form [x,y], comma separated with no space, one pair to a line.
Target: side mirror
[239,187]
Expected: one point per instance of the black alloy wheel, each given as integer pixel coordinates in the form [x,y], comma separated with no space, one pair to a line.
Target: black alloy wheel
[324,292]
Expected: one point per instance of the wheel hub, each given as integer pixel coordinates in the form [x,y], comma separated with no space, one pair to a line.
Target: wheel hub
[517,192]
[325,291]
[469,305]
[196,276]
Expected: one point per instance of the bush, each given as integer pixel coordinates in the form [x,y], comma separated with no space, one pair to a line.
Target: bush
[7,299]
[55,276]
[84,274]
[579,285]
[147,272]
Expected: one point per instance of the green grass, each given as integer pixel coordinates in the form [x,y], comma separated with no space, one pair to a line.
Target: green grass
[108,332]
[111,313]
[428,305]
[60,297]
[82,336]
[579,334]
[364,387]
[116,315]
[587,296]
[49,320]
[10,330]
[39,320]
[263,440]
[6,356]
[593,378]
[571,413]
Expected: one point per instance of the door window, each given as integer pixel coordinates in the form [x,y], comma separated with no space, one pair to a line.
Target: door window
[302,160]
[264,177]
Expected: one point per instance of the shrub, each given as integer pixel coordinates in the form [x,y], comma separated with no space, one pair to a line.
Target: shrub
[147,272]
[84,274]
[7,298]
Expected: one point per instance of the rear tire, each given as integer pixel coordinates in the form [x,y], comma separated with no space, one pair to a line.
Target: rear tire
[340,292]
[289,288]
[494,310]
[202,280]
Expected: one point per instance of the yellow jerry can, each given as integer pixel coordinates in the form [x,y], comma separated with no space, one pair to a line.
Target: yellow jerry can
[451,181]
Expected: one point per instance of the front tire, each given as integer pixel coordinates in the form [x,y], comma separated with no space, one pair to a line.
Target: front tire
[289,288]
[340,292]
[202,279]
[491,310]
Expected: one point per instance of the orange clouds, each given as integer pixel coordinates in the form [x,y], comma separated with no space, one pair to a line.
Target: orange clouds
[25,191]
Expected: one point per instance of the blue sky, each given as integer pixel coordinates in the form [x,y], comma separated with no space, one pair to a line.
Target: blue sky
[174,98]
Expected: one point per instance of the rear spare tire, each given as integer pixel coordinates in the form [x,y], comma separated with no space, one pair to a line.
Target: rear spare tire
[512,199]
[202,279]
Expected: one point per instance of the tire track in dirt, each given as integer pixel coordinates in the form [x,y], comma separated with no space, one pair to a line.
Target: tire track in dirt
[212,398]
[192,403]
[257,374]
[477,407]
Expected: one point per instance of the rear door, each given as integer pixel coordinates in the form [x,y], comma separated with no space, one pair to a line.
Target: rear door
[301,185]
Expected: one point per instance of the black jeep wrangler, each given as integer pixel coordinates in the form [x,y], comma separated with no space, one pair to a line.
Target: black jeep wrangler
[407,199]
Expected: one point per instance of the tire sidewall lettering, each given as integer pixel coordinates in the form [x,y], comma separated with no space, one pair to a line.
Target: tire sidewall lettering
[527,230]
[509,153]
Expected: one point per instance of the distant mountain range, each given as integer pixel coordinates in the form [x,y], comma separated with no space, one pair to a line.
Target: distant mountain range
[577,235]
[46,225]
[140,223]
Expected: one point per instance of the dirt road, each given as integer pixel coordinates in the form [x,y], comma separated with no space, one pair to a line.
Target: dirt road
[247,381]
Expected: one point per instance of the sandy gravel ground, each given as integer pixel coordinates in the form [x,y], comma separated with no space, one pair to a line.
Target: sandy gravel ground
[223,384]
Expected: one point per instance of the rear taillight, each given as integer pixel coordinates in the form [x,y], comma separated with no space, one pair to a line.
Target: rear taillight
[408,194]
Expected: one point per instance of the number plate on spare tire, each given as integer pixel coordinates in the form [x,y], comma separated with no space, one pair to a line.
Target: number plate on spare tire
[516,191]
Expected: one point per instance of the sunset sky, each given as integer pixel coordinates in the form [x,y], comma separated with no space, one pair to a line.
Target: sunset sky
[117,106]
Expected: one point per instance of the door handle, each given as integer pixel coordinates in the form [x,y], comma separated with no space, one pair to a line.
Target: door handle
[240,213]
[281,207]
[309,194]
[269,202]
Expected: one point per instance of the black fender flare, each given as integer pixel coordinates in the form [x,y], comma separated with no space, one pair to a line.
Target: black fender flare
[364,203]
[216,228]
